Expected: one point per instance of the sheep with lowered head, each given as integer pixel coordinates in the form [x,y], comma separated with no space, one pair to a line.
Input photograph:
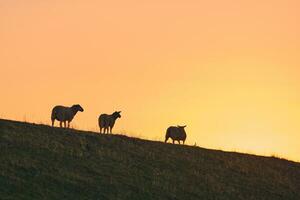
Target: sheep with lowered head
[65,114]
[176,134]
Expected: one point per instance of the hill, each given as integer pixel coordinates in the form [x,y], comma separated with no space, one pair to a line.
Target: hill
[41,162]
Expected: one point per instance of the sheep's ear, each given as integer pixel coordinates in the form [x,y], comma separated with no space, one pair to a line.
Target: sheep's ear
[184,126]
[119,112]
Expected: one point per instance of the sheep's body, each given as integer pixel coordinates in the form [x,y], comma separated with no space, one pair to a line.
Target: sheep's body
[64,114]
[176,134]
[107,122]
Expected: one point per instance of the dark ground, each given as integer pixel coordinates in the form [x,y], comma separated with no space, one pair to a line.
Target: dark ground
[41,162]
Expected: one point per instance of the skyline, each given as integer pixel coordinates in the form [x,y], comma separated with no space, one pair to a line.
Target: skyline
[228,70]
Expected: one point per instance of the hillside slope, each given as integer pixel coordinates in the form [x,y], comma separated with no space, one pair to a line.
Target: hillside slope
[41,162]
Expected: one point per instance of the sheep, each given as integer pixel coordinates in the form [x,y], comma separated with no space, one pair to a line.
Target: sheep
[65,114]
[176,134]
[108,121]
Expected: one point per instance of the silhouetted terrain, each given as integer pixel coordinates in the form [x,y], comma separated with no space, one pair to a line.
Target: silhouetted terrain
[41,162]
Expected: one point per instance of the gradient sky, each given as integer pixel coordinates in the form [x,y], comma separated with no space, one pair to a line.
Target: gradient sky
[229,70]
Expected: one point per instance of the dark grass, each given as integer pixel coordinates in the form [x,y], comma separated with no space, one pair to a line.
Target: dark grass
[41,162]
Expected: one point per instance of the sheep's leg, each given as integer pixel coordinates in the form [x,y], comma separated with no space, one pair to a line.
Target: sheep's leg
[60,124]
[109,128]
[68,124]
[173,141]
[53,122]
[179,141]
[100,130]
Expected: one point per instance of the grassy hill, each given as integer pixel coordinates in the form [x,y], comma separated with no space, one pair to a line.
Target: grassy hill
[41,162]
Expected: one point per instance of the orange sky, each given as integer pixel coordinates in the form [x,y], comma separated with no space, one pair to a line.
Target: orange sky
[230,70]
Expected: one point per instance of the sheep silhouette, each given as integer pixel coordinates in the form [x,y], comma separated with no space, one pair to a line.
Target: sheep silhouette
[176,134]
[65,114]
[108,121]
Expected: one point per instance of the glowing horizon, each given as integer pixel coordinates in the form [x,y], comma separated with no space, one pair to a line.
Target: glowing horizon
[228,70]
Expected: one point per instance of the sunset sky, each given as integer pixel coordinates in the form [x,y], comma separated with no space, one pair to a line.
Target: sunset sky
[229,70]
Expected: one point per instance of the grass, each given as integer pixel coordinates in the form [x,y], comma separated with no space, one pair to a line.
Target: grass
[41,162]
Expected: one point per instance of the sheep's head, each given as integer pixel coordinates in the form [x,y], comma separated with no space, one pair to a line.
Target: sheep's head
[117,114]
[77,107]
[181,127]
